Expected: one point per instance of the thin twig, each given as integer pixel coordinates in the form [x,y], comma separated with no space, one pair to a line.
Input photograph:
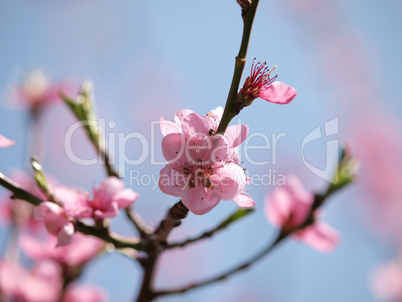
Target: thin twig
[284,233]
[155,246]
[138,223]
[117,240]
[224,224]
[18,193]
[228,273]
[230,112]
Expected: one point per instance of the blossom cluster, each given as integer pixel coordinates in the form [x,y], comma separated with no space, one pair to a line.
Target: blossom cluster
[203,166]
[105,202]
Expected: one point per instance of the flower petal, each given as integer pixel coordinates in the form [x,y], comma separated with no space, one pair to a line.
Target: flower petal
[219,148]
[5,142]
[75,201]
[172,181]
[229,180]
[46,208]
[217,113]
[278,207]
[278,93]
[84,293]
[168,127]
[106,190]
[65,235]
[111,211]
[244,200]
[319,236]
[201,200]
[236,134]
[173,146]
[125,198]
[32,247]
[181,114]
[194,124]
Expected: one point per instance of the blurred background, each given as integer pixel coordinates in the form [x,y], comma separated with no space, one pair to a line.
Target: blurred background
[147,59]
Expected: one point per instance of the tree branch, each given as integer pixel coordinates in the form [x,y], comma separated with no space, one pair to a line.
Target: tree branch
[155,245]
[240,213]
[138,223]
[117,240]
[230,112]
[228,273]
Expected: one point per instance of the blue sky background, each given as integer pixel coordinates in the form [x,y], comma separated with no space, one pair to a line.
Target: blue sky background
[148,59]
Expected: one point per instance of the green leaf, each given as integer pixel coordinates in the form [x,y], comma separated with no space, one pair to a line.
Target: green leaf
[239,214]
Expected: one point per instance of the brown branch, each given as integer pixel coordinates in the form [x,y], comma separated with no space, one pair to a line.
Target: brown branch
[240,213]
[143,229]
[155,245]
[117,240]
[226,274]
[178,212]
[18,193]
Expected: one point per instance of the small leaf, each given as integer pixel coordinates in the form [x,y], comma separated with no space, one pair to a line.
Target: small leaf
[240,213]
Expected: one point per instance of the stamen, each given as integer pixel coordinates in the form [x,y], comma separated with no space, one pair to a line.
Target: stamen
[272,70]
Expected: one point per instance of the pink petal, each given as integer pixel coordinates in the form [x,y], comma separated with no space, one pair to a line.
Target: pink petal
[172,181]
[111,211]
[201,200]
[386,282]
[48,270]
[278,93]
[65,235]
[75,201]
[219,148]
[44,283]
[194,124]
[106,190]
[296,190]
[168,127]
[84,293]
[5,142]
[236,134]
[278,207]
[244,200]
[125,198]
[217,113]
[288,202]
[11,277]
[32,247]
[47,208]
[173,146]
[229,181]
[208,149]
[82,249]
[319,236]
[181,114]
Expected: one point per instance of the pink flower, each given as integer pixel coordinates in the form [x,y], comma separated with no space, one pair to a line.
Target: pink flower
[111,196]
[75,201]
[190,123]
[289,206]
[42,284]
[260,85]
[56,222]
[201,169]
[84,293]
[36,90]
[5,142]
[386,282]
[82,249]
